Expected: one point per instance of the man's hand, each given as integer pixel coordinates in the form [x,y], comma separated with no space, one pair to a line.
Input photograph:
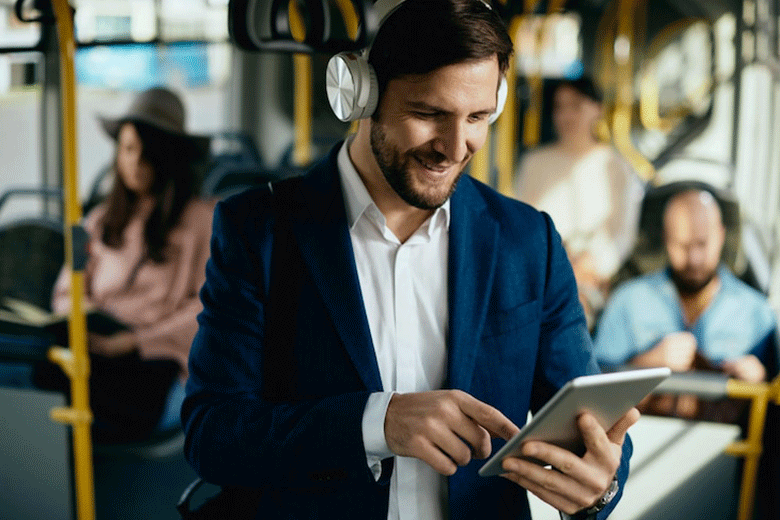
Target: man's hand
[444,428]
[747,368]
[676,351]
[575,483]
[112,346]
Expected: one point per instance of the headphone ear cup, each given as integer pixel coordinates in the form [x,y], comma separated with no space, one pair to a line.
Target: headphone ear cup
[351,85]
[500,100]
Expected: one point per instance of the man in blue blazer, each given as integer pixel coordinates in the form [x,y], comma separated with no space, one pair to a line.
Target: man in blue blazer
[372,329]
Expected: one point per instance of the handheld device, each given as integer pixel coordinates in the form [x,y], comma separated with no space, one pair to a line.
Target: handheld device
[605,396]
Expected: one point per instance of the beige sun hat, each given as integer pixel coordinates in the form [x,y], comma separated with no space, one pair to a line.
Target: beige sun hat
[160,108]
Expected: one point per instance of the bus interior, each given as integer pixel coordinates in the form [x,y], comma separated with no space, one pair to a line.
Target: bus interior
[691,98]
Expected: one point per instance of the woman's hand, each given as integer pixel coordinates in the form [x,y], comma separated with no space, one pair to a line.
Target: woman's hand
[112,346]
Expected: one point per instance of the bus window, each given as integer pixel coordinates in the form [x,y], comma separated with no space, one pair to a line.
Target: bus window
[147,20]
[110,75]
[21,161]
[124,47]
[14,33]
[549,45]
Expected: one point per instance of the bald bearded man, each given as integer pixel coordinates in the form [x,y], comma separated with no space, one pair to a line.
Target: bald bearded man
[693,314]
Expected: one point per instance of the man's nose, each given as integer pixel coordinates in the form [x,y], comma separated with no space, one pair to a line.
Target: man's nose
[696,256]
[453,141]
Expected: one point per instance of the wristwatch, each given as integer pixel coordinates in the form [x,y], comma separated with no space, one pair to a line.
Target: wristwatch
[590,513]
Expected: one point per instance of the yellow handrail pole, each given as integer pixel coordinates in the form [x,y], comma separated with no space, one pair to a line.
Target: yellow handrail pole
[532,122]
[530,5]
[751,447]
[604,70]
[774,390]
[75,361]
[351,23]
[621,119]
[302,111]
[555,5]
[506,126]
[480,163]
[649,111]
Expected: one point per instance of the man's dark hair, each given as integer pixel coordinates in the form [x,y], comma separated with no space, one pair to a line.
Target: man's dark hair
[421,36]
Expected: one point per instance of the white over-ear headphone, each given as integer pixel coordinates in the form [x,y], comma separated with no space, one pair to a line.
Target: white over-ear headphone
[351,82]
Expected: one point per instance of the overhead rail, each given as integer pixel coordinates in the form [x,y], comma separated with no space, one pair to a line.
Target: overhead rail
[266,26]
[47,20]
[624,52]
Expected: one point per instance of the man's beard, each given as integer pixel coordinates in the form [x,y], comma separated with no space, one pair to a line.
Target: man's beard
[397,172]
[687,286]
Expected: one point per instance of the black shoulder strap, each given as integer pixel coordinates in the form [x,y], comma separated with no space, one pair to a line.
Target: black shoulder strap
[286,274]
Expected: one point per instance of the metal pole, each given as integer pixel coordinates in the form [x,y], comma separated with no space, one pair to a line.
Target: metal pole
[75,362]
[302,110]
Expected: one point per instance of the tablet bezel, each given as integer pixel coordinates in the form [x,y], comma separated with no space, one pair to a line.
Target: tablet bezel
[606,396]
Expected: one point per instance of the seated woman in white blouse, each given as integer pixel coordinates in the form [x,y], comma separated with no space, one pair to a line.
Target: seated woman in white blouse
[589,190]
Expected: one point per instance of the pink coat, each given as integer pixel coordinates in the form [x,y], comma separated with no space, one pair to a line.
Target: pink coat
[161,303]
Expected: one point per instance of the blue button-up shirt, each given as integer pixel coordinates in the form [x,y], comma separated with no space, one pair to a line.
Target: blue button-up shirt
[739,320]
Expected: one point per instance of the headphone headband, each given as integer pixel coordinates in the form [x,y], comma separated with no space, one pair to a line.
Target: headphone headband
[351,82]
[385,8]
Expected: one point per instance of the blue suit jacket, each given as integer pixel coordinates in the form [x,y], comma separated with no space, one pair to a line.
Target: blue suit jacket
[283,362]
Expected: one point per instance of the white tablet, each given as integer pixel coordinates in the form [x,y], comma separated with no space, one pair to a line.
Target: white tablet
[606,396]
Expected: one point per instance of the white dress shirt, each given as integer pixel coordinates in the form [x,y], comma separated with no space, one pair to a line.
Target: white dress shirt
[404,290]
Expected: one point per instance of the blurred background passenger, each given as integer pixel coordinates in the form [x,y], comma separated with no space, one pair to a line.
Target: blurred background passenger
[149,243]
[694,314]
[588,189]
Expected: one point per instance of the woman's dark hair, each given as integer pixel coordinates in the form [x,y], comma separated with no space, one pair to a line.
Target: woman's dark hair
[585,86]
[171,158]
[421,36]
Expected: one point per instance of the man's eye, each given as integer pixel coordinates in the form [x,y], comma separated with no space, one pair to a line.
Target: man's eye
[426,115]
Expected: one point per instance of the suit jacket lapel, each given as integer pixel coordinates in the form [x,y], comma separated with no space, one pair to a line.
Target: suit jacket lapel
[472,262]
[326,247]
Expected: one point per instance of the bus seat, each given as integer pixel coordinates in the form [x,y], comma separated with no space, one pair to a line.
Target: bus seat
[101,185]
[35,457]
[649,254]
[204,501]
[32,252]
[235,164]
[321,145]
[230,178]
[236,147]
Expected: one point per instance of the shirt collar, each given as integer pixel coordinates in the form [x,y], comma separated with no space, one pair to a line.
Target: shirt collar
[359,201]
